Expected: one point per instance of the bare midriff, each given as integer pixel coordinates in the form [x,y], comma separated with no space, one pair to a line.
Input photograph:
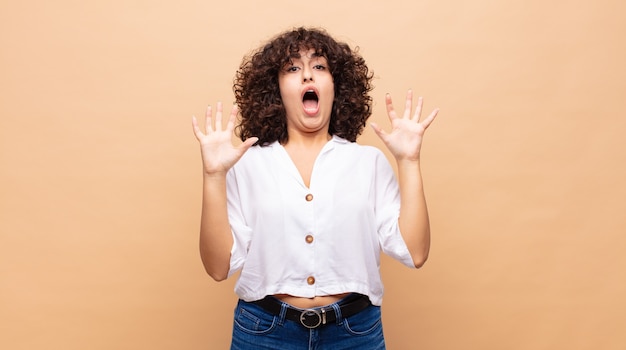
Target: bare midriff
[309,303]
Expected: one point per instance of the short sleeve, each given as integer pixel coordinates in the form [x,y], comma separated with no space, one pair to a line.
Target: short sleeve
[388,211]
[240,230]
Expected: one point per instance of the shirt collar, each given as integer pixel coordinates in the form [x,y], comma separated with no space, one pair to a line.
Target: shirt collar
[331,143]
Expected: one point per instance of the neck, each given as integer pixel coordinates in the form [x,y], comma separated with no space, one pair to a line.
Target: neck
[298,140]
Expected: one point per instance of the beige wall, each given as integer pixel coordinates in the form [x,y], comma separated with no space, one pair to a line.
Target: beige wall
[524,168]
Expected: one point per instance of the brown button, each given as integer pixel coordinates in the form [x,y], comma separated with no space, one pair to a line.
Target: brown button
[309,197]
[310,280]
[309,239]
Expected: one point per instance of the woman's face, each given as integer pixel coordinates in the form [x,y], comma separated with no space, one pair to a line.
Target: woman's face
[307,91]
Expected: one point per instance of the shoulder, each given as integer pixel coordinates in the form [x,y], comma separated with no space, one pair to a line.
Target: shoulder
[255,156]
[359,149]
[259,151]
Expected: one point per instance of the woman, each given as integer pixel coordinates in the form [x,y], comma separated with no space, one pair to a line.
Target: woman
[300,208]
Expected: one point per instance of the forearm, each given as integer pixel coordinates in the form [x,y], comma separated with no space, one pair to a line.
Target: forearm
[216,239]
[413,222]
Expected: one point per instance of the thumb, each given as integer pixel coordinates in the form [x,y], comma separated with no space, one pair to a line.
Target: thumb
[249,142]
[380,132]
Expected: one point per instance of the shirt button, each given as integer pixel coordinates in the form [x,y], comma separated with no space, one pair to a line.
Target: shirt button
[308,197]
[309,239]
[310,280]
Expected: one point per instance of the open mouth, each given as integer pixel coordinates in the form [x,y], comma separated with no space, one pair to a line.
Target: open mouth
[310,101]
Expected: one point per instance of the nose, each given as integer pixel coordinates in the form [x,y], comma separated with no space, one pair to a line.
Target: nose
[307,75]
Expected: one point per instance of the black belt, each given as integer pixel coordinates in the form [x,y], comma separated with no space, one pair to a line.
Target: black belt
[313,318]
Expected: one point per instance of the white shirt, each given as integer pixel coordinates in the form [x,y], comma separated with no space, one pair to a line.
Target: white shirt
[319,240]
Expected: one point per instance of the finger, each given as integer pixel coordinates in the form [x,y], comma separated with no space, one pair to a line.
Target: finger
[208,120]
[391,113]
[196,128]
[249,142]
[418,109]
[408,104]
[245,146]
[218,117]
[382,134]
[232,118]
[428,120]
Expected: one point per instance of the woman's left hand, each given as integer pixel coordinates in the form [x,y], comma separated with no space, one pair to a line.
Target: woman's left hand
[405,139]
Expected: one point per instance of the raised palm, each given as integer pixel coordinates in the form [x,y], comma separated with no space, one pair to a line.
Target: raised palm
[404,141]
[219,154]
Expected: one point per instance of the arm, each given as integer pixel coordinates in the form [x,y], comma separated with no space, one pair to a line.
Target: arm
[404,142]
[413,221]
[218,156]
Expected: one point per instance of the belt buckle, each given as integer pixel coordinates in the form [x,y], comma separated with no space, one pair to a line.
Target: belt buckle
[312,318]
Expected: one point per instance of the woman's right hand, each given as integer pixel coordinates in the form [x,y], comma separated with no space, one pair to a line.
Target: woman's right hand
[218,152]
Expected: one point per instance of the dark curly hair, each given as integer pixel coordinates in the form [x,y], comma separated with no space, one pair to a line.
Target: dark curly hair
[258,96]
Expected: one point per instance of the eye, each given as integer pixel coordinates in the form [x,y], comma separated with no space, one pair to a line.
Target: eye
[292,69]
[319,67]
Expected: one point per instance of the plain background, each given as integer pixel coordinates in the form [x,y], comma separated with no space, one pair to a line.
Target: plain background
[100,175]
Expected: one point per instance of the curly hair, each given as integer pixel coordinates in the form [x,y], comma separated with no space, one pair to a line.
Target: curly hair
[258,95]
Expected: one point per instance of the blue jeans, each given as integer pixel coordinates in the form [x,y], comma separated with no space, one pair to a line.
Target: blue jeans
[255,328]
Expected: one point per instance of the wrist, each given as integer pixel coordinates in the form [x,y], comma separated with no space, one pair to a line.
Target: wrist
[406,163]
[214,175]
